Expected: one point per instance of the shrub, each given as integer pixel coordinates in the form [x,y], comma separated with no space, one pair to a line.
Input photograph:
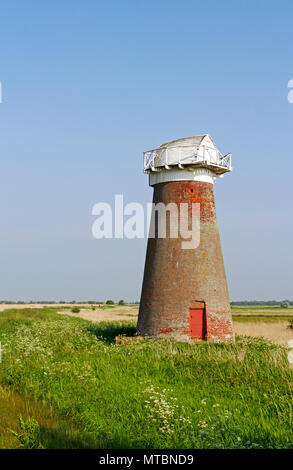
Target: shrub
[121,302]
[110,302]
[93,307]
[284,304]
[29,435]
[75,310]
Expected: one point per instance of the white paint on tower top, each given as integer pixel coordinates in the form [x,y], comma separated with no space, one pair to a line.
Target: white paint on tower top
[191,158]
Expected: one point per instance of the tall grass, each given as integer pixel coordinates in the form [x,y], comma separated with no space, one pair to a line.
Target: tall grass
[19,411]
[152,394]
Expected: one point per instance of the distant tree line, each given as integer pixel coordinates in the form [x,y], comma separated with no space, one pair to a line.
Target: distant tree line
[261,302]
[123,302]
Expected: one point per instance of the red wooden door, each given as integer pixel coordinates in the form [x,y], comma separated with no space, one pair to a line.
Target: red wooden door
[197,323]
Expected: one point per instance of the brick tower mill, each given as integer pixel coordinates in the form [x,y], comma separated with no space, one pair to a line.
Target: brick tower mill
[184,292]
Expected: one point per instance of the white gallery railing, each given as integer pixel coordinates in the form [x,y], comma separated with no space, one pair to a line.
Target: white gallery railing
[156,159]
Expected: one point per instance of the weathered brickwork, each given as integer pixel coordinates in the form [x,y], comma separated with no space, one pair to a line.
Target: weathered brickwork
[176,279]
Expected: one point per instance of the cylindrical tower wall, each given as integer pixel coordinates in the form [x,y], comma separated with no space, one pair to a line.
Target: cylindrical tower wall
[185,289]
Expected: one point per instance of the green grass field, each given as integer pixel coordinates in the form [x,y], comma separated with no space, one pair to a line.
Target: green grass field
[254,313]
[75,388]
[262,309]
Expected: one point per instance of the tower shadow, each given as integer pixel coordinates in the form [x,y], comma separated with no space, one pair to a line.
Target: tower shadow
[107,331]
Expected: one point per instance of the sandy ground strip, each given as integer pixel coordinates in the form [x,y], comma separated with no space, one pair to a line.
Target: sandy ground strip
[105,314]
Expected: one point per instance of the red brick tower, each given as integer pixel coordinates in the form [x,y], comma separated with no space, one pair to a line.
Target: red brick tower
[184,293]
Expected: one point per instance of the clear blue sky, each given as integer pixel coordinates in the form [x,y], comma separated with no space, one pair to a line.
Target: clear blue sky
[88,85]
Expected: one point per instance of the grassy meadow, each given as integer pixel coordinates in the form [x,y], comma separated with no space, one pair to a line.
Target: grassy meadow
[260,312]
[64,383]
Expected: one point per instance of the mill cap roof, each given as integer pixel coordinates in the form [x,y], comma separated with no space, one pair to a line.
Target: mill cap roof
[195,151]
